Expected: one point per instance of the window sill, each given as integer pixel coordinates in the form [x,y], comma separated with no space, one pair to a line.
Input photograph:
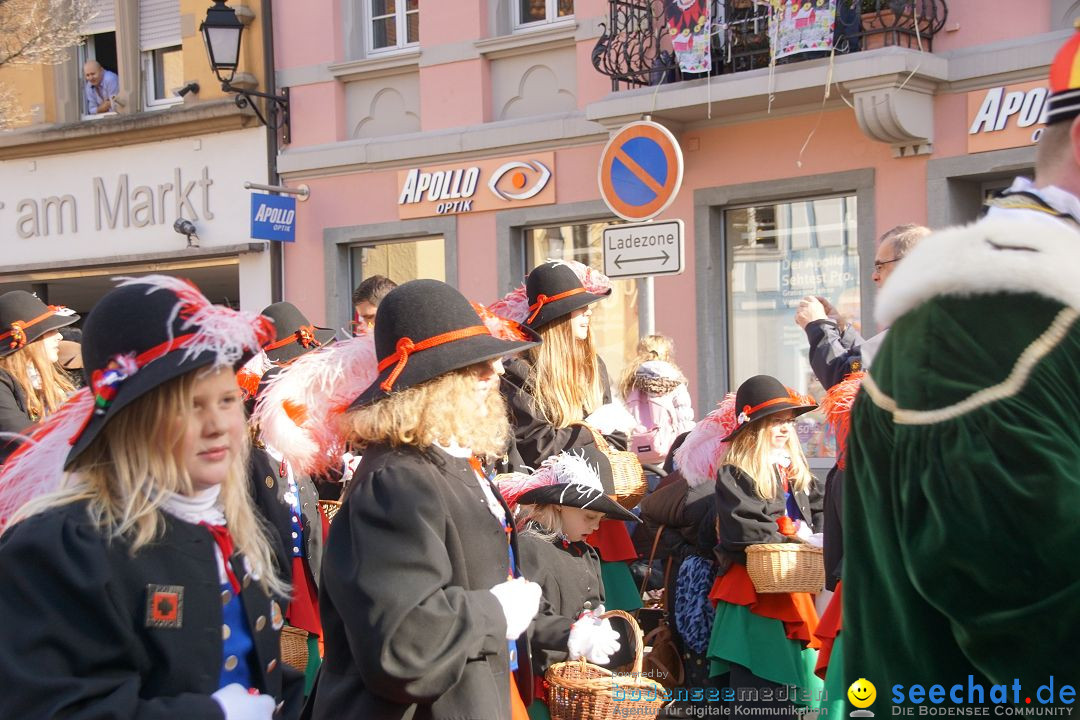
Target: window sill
[381,64]
[529,39]
[117,130]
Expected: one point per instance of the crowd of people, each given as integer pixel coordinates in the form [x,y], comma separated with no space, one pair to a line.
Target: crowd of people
[432,513]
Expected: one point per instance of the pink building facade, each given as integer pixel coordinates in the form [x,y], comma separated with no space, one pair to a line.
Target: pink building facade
[786,186]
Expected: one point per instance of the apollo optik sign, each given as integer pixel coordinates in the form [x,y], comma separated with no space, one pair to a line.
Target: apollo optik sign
[475,187]
[1006,116]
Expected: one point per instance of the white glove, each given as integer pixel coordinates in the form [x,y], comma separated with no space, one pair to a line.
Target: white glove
[803,531]
[817,540]
[593,639]
[238,704]
[520,600]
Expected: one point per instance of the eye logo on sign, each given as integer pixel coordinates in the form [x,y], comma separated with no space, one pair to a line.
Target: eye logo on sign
[519,180]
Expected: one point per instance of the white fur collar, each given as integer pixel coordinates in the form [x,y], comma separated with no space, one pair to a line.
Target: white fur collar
[993,255]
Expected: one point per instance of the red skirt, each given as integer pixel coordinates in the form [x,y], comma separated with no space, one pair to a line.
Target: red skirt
[828,629]
[613,541]
[795,610]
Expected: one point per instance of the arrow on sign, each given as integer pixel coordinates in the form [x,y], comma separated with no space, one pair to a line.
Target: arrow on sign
[619,259]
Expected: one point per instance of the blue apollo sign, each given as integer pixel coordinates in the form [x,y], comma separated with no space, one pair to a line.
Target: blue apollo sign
[273,217]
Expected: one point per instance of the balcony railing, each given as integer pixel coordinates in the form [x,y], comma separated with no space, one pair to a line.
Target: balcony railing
[636,49]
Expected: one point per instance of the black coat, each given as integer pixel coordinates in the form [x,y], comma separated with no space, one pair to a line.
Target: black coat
[76,640]
[268,489]
[537,439]
[747,519]
[412,630]
[569,577]
[833,354]
[14,416]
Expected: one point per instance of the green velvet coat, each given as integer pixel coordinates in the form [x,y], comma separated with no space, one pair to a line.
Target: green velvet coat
[963,491]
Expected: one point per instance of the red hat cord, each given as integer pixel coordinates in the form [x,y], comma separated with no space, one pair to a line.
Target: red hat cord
[515,304]
[305,336]
[407,347]
[17,333]
[299,412]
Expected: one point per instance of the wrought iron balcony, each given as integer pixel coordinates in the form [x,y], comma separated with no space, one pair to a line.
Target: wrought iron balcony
[636,47]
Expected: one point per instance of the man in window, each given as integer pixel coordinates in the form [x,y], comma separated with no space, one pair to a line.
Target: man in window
[101,88]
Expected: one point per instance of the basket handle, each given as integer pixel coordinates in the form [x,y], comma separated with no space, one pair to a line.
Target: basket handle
[598,437]
[635,631]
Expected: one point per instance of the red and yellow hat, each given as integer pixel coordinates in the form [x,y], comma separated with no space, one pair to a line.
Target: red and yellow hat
[1064,103]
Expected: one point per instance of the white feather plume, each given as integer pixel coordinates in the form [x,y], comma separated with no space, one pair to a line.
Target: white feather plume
[228,334]
[299,413]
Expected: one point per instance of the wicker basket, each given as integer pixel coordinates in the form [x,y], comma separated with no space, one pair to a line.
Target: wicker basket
[294,647]
[786,567]
[330,508]
[582,691]
[630,482]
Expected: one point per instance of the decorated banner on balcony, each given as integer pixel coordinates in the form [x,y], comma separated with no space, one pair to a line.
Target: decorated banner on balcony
[798,26]
[688,23]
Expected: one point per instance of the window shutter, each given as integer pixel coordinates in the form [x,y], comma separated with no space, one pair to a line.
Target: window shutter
[104,19]
[159,23]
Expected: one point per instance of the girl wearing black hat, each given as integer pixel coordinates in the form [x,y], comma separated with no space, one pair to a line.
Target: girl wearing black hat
[558,506]
[764,494]
[422,601]
[562,383]
[31,383]
[137,581]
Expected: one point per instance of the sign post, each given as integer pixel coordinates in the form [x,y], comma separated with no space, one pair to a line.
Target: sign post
[641,171]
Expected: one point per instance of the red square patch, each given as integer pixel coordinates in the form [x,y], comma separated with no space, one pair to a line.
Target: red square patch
[164,606]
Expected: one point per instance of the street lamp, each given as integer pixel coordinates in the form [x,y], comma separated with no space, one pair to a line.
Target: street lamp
[222,31]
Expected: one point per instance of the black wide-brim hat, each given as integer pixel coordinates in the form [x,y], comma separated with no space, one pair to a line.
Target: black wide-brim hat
[130,322]
[294,335]
[424,329]
[764,395]
[24,319]
[583,496]
[554,291]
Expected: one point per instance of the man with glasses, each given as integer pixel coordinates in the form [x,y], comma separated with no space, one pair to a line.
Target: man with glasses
[837,348]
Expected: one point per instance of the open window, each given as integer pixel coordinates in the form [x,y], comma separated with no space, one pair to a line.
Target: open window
[99,48]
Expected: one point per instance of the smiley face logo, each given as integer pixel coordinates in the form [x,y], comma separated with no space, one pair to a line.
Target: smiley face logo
[862,693]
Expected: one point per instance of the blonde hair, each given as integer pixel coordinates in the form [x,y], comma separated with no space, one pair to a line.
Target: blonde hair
[565,377]
[439,411]
[55,384]
[128,470]
[541,520]
[750,452]
[650,347]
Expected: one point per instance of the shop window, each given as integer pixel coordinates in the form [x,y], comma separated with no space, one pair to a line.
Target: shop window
[614,320]
[530,13]
[163,71]
[399,261]
[393,24]
[97,48]
[777,254]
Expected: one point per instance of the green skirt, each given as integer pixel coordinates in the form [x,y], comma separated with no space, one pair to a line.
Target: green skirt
[835,699]
[620,590]
[761,645]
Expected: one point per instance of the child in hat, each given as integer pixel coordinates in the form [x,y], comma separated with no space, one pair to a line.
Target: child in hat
[422,600]
[31,383]
[557,507]
[137,579]
[563,382]
[764,494]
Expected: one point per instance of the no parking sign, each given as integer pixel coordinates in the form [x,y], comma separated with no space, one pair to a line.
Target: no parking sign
[641,171]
